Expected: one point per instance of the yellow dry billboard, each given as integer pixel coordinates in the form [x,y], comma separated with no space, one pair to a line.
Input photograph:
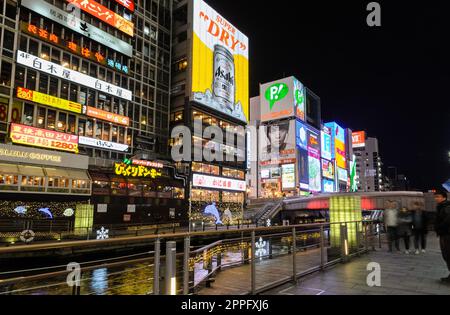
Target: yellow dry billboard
[220,78]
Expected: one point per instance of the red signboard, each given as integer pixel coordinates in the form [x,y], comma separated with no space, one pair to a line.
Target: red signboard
[129,4]
[359,139]
[42,138]
[105,15]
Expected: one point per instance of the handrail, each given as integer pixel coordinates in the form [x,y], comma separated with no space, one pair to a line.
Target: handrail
[143,238]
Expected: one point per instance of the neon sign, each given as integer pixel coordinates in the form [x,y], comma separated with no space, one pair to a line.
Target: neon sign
[73,47]
[125,170]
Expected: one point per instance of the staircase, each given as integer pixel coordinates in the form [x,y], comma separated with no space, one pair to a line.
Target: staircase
[261,210]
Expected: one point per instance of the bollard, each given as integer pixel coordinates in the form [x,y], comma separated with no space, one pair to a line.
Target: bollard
[156,264]
[171,264]
[187,247]
[322,248]
[344,243]
[294,251]
[253,265]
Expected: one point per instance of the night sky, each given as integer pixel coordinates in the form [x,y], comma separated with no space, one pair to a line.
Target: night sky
[391,81]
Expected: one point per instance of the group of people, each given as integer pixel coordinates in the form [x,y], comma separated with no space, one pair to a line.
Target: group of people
[404,223]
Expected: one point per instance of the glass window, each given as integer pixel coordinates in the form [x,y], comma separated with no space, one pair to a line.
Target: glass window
[81,127]
[71,124]
[43,83]
[51,119]
[61,124]
[98,130]
[89,128]
[41,117]
[5,74]
[106,131]
[28,114]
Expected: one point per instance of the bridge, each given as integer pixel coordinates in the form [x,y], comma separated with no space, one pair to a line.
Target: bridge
[302,259]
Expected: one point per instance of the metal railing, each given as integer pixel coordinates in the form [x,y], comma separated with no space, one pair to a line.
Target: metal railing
[293,251]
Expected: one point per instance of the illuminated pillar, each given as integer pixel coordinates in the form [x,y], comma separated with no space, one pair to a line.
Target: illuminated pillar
[345,209]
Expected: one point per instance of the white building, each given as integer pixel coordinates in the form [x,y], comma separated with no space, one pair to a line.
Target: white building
[368,163]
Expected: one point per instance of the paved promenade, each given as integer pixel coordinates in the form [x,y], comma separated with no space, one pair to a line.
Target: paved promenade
[400,274]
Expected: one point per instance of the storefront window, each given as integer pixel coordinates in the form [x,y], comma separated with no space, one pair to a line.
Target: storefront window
[41,117]
[51,119]
[230,197]
[227,172]
[205,169]
[205,195]
[61,125]
[9,180]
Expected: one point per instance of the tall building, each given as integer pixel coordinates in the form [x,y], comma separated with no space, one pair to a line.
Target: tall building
[368,163]
[84,111]
[287,116]
[210,95]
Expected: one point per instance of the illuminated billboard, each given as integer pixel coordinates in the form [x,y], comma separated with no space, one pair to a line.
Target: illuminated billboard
[301,135]
[105,15]
[59,71]
[97,143]
[283,98]
[94,55]
[303,169]
[328,186]
[342,174]
[220,65]
[45,99]
[327,169]
[288,176]
[277,142]
[326,145]
[338,144]
[220,183]
[359,139]
[314,167]
[42,138]
[77,25]
[107,116]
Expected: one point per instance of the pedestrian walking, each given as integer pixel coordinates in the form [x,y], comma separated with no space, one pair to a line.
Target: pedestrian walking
[442,227]
[420,227]
[405,228]
[391,223]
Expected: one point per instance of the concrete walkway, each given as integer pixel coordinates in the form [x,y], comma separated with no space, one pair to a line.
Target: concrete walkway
[401,274]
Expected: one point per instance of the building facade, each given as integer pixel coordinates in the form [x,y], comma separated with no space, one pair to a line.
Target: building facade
[368,163]
[89,81]
[210,97]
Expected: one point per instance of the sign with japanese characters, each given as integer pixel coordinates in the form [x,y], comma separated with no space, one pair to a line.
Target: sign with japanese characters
[138,171]
[144,163]
[75,24]
[56,70]
[42,138]
[218,183]
[129,4]
[73,47]
[107,116]
[104,14]
[48,100]
[97,143]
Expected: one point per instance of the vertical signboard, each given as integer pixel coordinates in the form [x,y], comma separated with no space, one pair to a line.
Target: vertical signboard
[359,139]
[315,177]
[338,141]
[326,143]
[299,100]
[277,142]
[288,176]
[220,67]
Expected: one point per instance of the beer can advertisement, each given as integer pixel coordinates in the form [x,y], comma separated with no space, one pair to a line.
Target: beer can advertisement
[220,65]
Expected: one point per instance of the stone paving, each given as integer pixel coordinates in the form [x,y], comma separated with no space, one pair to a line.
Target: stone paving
[401,274]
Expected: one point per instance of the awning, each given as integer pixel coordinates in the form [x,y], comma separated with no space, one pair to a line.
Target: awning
[9,169]
[31,171]
[57,172]
[78,174]
[99,177]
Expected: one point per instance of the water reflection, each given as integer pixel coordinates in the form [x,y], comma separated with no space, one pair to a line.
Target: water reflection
[99,280]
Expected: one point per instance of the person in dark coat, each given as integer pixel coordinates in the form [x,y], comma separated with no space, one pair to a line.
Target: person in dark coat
[420,227]
[442,227]
[405,228]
